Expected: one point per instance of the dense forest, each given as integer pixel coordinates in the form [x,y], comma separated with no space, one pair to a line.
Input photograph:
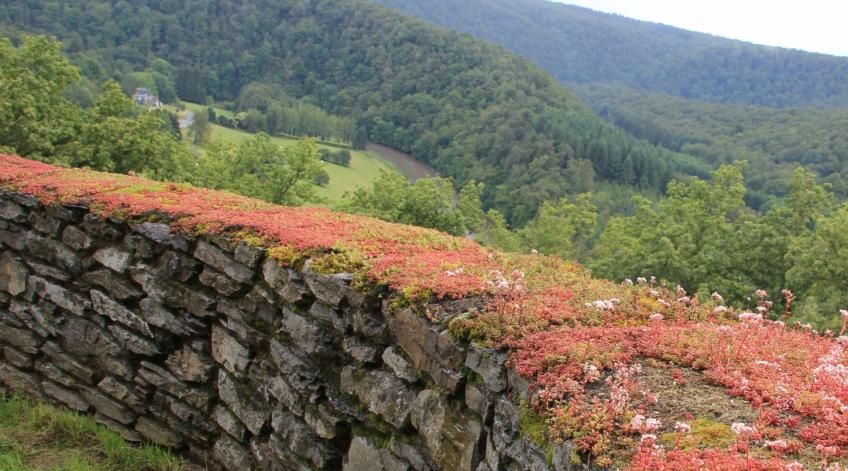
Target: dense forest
[774,108]
[580,46]
[773,141]
[470,109]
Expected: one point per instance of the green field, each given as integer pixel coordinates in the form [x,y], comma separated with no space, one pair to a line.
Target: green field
[364,167]
[37,436]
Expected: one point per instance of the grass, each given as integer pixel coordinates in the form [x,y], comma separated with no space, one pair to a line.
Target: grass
[37,436]
[364,167]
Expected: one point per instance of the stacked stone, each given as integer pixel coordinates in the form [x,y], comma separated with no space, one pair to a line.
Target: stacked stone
[205,345]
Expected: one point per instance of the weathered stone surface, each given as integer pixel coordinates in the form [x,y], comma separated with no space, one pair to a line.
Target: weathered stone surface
[477,401]
[412,455]
[81,337]
[295,437]
[518,384]
[59,296]
[133,342]
[248,255]
[108,406]
[189,365]
[13,275]
[106,306]
[176,265]
[231,454]
[117,287]
[17,358]
[162,234]
[195,422]
[381,392]
[126,394]
[42,269]
[329,315]
[329,289]
[286,282]
[129,434]
[228,352]
[451,435]
[297,371]
[428,349]
[365,456]
[159,377]
[12,212]
[399,365]
[66,396]
[217,259]
[249,408]
[100,227]
[25,340]
[310,337]
[18,380]
[228,422]
[40,318]
[45,224]
[158,432]
[54,252]
[562,458]
[505,425]
[113,258]
[266,378]
[368,321]
[323,421]
[68,363]
[53,372]
[361,352]
[139,246]
[76,238]
[12,238]
[489,365]
[217,281]
[155,313]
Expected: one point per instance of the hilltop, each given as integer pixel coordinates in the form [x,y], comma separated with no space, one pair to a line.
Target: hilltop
[581,46]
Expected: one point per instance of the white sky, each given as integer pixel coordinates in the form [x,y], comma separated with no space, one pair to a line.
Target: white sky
[810,25]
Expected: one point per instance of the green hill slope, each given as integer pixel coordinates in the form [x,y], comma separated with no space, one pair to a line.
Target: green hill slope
[578,45]
[471,110]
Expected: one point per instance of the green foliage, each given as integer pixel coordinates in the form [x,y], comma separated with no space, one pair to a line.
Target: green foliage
[818,270]
[37,118]
[429,202]
[580,46]
[262,169]
[563,229]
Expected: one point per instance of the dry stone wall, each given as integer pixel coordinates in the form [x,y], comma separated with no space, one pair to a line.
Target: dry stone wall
[207,346]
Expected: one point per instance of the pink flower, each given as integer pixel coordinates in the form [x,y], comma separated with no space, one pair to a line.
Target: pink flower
[844,314]
[740,428]
[682,427]
[761,293]
[656,316]
[750,316]
[779,446]
[716,297]
[652,425]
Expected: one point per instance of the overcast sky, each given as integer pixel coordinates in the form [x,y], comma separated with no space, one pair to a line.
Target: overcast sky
[811,25]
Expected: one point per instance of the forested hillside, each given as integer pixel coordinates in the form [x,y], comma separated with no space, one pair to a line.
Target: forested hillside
[774,108]
[773,141]
[578,45]
[470,109]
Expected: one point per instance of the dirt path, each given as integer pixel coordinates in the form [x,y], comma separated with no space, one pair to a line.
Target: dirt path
[405,163]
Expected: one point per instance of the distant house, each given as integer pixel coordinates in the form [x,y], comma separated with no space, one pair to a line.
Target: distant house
[142,96]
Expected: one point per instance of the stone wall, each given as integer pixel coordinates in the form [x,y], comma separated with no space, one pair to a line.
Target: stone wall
[207,346]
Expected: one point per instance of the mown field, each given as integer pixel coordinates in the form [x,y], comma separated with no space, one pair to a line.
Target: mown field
[364,167]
